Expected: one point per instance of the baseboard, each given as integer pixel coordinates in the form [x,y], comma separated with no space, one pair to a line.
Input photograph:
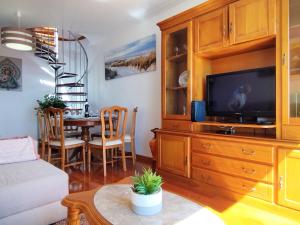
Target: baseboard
[144,159]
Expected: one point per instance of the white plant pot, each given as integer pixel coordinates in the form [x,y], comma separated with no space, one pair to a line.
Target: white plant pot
[146,205]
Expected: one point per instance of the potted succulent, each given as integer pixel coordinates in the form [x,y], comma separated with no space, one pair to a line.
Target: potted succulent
[146,193]
[51,101]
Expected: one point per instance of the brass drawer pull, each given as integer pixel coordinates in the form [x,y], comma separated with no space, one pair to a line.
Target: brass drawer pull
[248,171]
[205,178]
[206,146]
[251,189]
[248,151]
[205,162]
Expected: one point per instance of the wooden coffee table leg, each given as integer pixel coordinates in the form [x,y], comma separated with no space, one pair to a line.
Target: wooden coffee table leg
[73,216]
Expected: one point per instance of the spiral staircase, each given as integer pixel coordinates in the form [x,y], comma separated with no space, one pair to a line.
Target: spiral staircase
[65,53]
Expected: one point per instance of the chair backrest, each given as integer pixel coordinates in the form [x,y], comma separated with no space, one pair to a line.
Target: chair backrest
[133,122]
[72,112]
[113,120]
[41,125]
[55,124]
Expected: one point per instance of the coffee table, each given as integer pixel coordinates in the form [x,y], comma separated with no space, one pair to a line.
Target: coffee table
[110,204]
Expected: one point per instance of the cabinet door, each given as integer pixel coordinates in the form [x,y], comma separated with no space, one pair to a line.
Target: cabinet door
[211,30]
[174,154]
[251,19]
[288,178]
[291,69]
[177,72]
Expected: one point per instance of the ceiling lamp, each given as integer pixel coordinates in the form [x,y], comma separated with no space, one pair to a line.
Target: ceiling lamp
[17,38]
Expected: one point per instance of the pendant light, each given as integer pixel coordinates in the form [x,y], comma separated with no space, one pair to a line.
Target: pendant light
[17,38]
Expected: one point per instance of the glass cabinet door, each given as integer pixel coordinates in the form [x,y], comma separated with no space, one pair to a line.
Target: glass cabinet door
[176,77]
[294,58]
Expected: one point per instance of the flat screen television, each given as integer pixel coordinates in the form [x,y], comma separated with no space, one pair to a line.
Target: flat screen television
[249,93]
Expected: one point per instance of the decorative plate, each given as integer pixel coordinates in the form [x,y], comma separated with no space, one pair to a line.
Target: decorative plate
[183,79]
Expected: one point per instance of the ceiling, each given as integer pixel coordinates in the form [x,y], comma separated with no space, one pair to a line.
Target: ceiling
[92,18]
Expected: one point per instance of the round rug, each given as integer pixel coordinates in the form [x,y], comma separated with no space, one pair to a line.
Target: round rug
[113,202]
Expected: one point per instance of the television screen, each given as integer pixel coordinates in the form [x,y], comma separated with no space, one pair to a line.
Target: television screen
[247,93]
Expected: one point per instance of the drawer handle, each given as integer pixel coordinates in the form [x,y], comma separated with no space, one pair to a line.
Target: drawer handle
[205,162]
[248,151]
[205,178]
[248,171]
[206,146]
[251,189]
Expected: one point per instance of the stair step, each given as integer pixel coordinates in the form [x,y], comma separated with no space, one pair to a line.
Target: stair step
[44,56]
[73,93]
[51,43]
[57,63]
[70,101]
[70,85]
[43,49]
[66,75]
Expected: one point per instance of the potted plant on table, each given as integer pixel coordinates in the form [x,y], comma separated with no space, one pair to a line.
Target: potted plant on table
[51,101]
[146,193]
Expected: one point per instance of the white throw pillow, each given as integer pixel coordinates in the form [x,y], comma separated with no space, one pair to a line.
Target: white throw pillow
[18,150]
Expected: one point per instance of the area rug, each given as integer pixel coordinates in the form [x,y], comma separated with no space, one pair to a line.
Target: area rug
[83,221]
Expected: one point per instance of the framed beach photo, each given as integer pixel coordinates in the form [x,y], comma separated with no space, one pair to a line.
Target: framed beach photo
[134,58]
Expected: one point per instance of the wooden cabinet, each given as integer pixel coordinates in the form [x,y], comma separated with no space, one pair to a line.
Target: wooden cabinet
[291,70]
[288,177]
[250,20]
[177,72]
[211,30]
[174,154]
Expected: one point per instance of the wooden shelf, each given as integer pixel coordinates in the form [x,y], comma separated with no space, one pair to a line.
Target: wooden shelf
[176,88]
[221,124]
[177,57]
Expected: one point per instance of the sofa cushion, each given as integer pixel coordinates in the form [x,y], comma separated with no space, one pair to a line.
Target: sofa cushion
[27,185]
[18,150]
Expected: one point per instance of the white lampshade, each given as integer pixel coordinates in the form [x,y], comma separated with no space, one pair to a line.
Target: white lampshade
[17,38]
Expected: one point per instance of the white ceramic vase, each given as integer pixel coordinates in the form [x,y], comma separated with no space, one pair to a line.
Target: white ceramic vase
[146,205]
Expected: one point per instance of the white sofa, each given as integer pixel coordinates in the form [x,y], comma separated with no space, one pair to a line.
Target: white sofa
[31,193]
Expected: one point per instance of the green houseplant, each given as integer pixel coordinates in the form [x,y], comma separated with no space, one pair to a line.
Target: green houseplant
[146,193]
[51,101]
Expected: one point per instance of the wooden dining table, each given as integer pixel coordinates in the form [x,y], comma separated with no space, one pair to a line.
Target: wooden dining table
[85,124]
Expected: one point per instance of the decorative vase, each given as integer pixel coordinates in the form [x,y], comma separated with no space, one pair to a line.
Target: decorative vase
[146,205]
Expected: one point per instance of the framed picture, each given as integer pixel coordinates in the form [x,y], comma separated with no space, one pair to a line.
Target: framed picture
[10,74]
[134,58]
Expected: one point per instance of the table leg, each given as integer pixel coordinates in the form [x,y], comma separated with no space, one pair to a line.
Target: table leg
[73,216]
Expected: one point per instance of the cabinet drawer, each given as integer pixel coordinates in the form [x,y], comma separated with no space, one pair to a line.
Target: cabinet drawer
[241,186]
[247,151]
[177,125]
[248,170]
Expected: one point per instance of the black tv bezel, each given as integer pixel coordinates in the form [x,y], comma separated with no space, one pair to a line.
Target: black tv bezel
[269,114]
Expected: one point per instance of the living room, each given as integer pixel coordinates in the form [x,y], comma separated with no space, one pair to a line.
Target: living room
[169,112]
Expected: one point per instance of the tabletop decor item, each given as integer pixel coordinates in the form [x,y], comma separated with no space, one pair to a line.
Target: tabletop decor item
[51,101]
[146,193]
[183,79]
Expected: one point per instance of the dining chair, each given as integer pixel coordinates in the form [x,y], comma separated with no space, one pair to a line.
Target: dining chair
[114,139]
[130,138]
[56,138]
[42,132]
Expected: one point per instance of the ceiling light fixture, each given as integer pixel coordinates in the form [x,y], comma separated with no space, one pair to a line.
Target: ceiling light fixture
[17,38]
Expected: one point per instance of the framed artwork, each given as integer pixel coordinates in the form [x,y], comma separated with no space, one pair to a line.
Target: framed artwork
[134,58]
[10,74]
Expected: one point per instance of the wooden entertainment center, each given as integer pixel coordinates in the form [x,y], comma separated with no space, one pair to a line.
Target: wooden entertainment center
[259,162]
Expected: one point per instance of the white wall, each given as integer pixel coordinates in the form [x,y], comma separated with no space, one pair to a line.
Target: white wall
[142,90]
[17,117]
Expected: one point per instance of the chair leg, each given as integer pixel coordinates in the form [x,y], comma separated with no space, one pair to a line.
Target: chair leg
[43,150]
[104,161]
[89,158]
[49,154]
[112,157]
[83,157]
[132,147]
[63,158]
[123,157]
